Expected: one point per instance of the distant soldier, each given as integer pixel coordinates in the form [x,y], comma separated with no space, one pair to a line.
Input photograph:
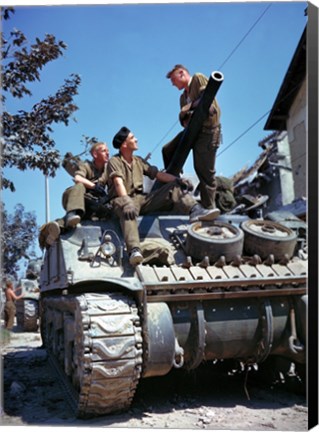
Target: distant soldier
[209,138]
[10,307]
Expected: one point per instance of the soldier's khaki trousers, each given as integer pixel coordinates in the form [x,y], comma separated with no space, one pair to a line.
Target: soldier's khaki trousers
[9,314]
[73,198]
[204,156]
[168,197]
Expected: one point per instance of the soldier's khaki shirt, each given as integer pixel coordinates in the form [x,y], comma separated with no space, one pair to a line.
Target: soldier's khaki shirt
[89,171]
[196,87]
[132,174]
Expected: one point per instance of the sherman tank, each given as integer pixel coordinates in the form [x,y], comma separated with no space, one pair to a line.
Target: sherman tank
[232,289]
[28,306]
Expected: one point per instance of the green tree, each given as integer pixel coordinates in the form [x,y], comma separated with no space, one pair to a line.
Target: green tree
[18,233]
[26,141]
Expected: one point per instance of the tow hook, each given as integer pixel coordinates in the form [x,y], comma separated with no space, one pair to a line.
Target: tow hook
[178,361]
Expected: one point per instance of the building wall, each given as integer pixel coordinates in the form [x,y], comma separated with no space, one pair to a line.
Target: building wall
[285,171]
[297,136]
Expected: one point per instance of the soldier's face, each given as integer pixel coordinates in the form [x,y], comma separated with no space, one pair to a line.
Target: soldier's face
[102,154]
[179,79]
[131,142]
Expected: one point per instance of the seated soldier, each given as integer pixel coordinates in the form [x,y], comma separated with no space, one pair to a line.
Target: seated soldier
[125,187]
[90,181]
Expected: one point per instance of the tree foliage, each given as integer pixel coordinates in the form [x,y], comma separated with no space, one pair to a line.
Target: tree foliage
[26,141]
[19,231]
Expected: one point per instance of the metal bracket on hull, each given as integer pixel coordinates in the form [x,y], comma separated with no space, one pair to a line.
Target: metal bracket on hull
[267,330]
[196,338]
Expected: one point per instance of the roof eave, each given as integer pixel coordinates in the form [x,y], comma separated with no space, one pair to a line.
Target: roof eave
[290,86]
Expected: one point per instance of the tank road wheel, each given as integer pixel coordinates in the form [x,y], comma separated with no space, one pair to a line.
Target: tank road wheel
[264,237]
[214,240]
[102,346]
[28,314]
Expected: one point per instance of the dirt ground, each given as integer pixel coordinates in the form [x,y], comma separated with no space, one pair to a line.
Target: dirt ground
[204,399]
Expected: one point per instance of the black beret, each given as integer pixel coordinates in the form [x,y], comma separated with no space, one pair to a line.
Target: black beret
[120,137]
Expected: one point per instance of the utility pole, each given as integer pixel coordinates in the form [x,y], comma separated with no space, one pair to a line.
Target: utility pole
[47,200]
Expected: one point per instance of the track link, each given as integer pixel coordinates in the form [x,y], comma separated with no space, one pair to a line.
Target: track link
[28,314]
[95,341]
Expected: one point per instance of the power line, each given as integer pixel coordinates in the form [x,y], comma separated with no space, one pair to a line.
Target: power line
[244,37]
[297,86]
[228,57]
[298,157]
[161,140]
[243,133]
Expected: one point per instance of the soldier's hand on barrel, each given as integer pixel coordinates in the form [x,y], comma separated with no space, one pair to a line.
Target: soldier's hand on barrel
[186,108]
[185,114]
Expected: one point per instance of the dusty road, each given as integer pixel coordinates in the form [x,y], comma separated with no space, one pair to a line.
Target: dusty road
[201,400]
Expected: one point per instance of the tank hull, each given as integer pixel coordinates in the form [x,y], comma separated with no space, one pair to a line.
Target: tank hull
[107,325]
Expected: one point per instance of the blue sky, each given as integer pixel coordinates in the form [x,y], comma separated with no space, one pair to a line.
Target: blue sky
[123,52]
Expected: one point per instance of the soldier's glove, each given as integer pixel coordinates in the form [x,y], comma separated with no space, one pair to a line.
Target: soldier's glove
[129,210]
[99,189]
[185,185]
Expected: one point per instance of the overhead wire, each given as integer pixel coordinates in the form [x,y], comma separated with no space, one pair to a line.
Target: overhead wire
[244,37]
[258,120]
[242,134]
[298,157]
[223,63]
[161,140]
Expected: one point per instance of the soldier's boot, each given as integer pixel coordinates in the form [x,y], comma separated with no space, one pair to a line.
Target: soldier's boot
[49,233]
[72,218]
[199,213]
[136,256]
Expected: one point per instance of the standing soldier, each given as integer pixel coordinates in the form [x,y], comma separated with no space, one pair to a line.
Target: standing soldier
[207,143]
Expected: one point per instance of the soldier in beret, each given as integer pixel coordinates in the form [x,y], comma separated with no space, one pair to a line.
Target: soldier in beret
[125,187]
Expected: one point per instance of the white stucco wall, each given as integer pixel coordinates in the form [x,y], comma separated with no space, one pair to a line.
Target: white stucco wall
[286,174]
[297,135]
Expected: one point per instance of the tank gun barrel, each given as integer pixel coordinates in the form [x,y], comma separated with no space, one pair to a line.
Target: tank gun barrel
[192,130]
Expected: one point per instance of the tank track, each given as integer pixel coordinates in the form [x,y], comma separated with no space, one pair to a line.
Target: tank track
[94,342]
[28,314]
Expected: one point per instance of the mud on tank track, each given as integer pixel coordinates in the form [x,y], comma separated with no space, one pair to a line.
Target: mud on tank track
[98,344]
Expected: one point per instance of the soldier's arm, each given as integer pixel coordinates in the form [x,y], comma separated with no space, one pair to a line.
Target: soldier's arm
[14,296]
[165,177]
[119,186]
[86,182]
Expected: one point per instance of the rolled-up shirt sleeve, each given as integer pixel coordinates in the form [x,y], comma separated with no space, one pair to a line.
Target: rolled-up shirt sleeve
[114,169]
[82,171]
